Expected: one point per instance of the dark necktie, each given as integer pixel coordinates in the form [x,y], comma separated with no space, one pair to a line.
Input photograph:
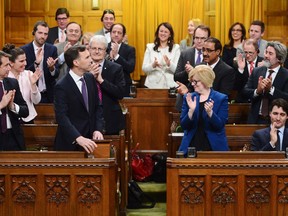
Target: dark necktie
[198,60]
[265,100]
[84,93]
[99,92]
[278,147]
[3,115]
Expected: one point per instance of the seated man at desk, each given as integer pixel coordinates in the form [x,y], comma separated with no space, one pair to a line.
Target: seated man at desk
[274,137]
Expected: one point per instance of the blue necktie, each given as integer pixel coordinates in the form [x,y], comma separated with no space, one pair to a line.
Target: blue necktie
[198,60]
[84,93]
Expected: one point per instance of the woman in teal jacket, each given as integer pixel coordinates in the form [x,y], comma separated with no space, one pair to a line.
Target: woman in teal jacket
[204,114]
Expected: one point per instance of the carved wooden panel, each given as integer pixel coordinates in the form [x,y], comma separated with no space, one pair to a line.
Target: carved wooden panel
[2,189]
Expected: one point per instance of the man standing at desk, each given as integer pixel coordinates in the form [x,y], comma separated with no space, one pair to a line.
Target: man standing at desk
[77,107]
[275,137]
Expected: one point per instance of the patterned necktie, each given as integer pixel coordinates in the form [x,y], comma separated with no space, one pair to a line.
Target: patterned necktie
[198,60]
[265,101]
[251,67]
[63,36]
[3,115]
[84,93]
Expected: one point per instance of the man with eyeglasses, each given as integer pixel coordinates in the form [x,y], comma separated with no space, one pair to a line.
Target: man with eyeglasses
[246,63]
[110,79]
[267,83]
[57,34]
[188,59]
[74,33]
[224,74]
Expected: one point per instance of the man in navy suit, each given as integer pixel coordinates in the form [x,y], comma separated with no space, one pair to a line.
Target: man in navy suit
[110,78]
[246,64]
[57,34]
[42,55]
[275,137]
[77,106]
[122,54]
[12,108]
[267,83]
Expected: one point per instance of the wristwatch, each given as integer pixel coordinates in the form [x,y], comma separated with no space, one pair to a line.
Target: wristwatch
[37,64]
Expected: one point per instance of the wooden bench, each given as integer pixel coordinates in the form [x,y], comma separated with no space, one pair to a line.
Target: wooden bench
[237,114]
[238,136]
[45,114]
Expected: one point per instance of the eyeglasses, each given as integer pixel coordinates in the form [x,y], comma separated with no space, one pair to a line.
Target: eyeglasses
[194,82]
[207,50]
[249,53]
[97,49]
[62,18]
[200,38]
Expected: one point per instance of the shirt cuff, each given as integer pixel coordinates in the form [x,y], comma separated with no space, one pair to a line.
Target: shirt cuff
[116,57]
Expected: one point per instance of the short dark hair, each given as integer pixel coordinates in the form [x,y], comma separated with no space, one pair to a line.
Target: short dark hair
[39,23]
[73,53]
[203,28]
[61,11]
[3,54]
[107,11]
[218,45]
[259,23]
[123,27]
[280,102]
[13,51]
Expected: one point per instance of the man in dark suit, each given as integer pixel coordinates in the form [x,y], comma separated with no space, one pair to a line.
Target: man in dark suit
[245,64]
[188,58]
[122,54]
[275,137]
[12,107]
[42,55]
[77,106]
[57,34]
[110,78]
[267,83]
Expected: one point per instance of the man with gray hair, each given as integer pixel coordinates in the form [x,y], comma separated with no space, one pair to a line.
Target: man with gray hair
[110,78]
[267,83]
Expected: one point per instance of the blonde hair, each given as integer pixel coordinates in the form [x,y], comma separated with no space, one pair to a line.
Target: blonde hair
[86,36]
[196,22]
[205,74]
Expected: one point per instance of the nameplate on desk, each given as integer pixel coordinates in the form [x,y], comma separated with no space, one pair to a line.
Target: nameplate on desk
[178,134]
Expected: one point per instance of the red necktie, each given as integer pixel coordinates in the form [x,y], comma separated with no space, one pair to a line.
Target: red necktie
[265,101]
[251,67]
[99,92]
[3,115]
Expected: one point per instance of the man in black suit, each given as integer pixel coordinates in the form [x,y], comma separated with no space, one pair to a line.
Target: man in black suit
[267,83]
[42,55]
[12,108]
[57,34]
[110,78]
[122,53]
[246,64]
[275,137]
[77,107]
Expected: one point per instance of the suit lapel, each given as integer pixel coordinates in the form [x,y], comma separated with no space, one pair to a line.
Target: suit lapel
[285,140]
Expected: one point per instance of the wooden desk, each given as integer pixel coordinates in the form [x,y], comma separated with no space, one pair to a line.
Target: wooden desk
[45,114]
[149,113]
[246,184]
[238,136]
[56,183]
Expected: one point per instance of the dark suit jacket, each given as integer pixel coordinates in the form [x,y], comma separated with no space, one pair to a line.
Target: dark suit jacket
[180,73]
[10,84]
[261,139]
[281,90]
[214,126]
[127,59]
[71,114]
[52,35]
[241,80]
[112,91]
[49,51]
[224,78]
